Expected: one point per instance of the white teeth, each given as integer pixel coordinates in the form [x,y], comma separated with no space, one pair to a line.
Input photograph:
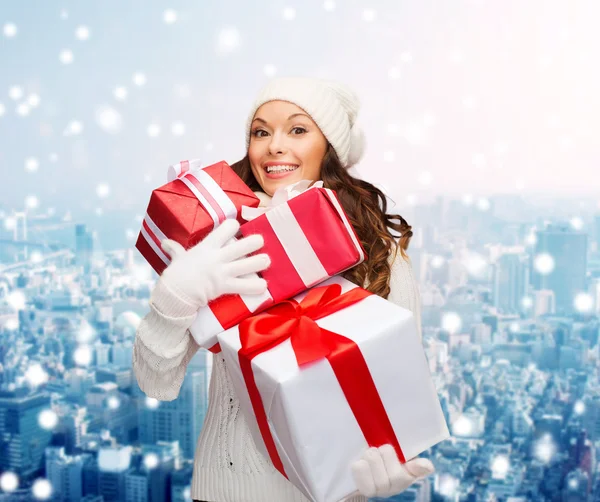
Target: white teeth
[278,169]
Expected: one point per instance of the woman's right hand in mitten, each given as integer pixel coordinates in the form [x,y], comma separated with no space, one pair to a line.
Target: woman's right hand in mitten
[215,266]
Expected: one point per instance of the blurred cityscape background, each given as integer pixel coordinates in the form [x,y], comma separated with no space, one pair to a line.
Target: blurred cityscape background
[482,121]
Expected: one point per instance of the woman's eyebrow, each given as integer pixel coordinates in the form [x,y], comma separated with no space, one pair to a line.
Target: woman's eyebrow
[289,118]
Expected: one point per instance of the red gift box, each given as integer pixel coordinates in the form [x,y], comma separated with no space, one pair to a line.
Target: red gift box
[308,238]
[189,207]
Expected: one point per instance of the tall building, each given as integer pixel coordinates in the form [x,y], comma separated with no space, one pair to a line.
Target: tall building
[510,282]
[84,247]
[22,439]
[64,473]
[181,419]
[568,249]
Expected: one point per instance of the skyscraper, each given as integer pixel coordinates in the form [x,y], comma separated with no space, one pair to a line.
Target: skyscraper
[84,247]
[567,278]
[181,419]
[22,439]
[510,282]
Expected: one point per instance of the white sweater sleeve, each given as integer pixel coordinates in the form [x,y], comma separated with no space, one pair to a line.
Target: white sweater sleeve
[163,346]
[404,289]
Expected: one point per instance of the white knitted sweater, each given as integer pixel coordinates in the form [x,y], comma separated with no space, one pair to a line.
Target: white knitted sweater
[227,465]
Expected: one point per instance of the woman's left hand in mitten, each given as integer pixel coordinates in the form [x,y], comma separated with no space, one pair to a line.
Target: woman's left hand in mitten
[379,473]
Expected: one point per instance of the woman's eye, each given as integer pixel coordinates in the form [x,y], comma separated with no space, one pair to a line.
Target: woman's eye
[301,128]
[256,133]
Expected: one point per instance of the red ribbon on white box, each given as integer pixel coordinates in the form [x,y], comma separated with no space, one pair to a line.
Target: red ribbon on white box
[208,192]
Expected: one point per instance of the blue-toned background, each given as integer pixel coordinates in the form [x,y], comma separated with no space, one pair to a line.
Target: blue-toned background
[482,121]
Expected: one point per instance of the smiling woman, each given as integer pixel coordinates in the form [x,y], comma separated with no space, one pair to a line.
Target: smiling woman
[297,129]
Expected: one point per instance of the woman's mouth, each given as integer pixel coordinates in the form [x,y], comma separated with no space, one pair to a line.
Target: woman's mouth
[279,171]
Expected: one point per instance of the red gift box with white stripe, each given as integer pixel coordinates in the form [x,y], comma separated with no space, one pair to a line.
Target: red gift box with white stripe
[187,208]
[308,238]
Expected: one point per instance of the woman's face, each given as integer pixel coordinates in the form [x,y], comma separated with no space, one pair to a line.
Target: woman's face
[285,146]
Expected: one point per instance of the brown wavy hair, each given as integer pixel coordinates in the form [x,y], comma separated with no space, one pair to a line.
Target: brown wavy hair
[366,207]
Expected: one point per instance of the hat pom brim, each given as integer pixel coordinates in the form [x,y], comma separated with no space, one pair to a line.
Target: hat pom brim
[357,145]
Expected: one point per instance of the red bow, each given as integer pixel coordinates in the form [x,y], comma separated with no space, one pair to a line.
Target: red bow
[290,319]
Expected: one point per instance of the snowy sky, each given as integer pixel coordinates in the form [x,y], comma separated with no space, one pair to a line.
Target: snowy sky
[458,96]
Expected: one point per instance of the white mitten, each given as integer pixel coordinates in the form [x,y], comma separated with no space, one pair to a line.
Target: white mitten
[379,473]
[215,266]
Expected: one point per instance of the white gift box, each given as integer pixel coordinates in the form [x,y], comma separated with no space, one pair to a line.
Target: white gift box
[315,432]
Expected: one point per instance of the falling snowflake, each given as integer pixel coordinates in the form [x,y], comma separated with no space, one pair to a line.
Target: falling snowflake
[579,407]
[120,93]
[23,109]
[65,56]
[543,263]
[527,302]
[47,419]
[152,403]
[9,482]
[500,466]
[289,13]
[544,449]
[64,14]
[139,79]
[17,300]
[86,333]
[32,164]
[33,100]
[109,119]
[576,223]
[42,489]
[12,324]
[437,261]
[99,211]
[53,157]
[10,30]
[82,355]
[228,40]
[462,426]
[483,204]
[151,460]
[74,128]
[153,130]
[36,375]
[369,15]
[82,33]
[411,199]
[451,322]
[329,5]
[31,201]
[2,109]
[169,16]
[583,303]
[36,257]
[178,128]
[15,92]
[113,402]
[270,70]
[10,223]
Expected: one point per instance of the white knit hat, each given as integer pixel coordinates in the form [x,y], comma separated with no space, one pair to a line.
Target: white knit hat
[333,106]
